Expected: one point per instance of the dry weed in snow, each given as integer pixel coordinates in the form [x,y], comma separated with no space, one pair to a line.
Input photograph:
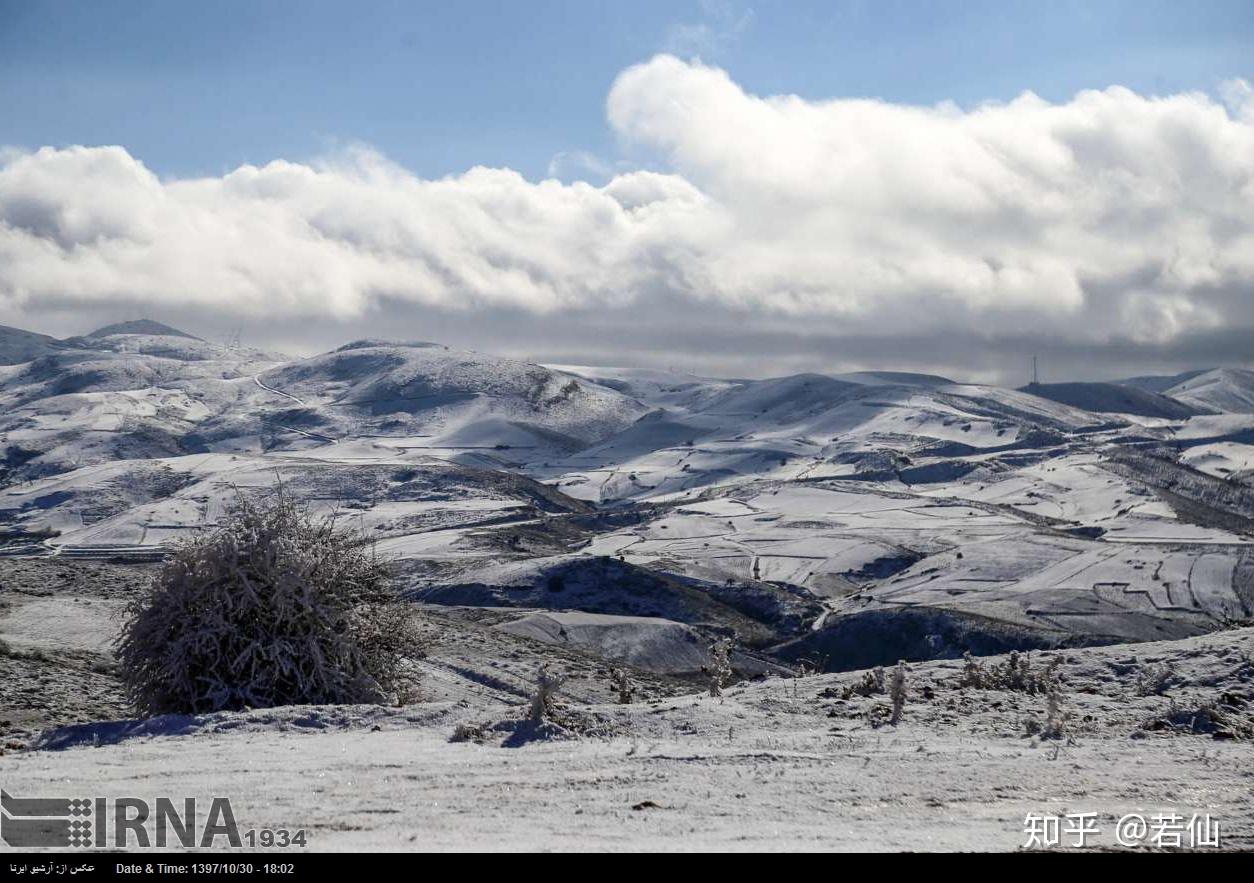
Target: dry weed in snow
[719,670]
[1154,680]
[621,682]
[548,682]
[897,692]
[1055,717]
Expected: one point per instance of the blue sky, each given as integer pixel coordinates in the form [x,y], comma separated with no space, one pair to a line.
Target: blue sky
[199,88]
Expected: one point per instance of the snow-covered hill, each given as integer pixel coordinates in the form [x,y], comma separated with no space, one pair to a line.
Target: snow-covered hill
[141,390]
[140,327]
[1159,382]
[447,399]
[18,346]
[1226,390]
[1114,398]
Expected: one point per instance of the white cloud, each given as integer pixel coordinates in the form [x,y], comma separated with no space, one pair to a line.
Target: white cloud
[865,208]
[579,165]
[722,23]
[1111,215]
[92,224]
[1239,98]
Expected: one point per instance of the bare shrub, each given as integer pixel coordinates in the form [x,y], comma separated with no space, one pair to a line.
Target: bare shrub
[1225,717]
[32,654]
[543,719]
[871,684]
[1055,717]
[1015,674]
[543,701]
[272,607]
[719,670]
[1154,680]
[973,674]
[469,733]
[897,691]
[620,681]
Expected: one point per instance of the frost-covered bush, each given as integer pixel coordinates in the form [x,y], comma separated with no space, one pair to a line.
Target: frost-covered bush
[544,700]
[872,684]
[719,671]
[1155,680]
[897,692]
[1015,674]
[620,681]
[973,674]
[1224,717]
[1055,716]
[272,607]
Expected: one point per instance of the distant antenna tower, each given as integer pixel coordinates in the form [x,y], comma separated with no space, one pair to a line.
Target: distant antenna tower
[1036,380]
[232,339]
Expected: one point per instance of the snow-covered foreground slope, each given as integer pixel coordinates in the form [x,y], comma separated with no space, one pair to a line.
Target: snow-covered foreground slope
[777,765]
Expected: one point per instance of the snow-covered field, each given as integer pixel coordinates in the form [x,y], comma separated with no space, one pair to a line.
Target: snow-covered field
[776,765]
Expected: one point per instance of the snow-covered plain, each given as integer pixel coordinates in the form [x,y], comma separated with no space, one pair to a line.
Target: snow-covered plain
[783,764]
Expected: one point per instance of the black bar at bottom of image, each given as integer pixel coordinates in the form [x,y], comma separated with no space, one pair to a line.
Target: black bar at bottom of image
[16,866]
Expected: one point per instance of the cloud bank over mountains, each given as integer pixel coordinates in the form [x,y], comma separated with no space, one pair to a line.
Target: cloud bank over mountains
[1114,219]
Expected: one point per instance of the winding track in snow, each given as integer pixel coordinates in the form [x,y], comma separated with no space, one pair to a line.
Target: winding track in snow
[277,392]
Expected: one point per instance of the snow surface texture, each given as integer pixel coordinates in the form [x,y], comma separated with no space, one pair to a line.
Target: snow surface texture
[776,765]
